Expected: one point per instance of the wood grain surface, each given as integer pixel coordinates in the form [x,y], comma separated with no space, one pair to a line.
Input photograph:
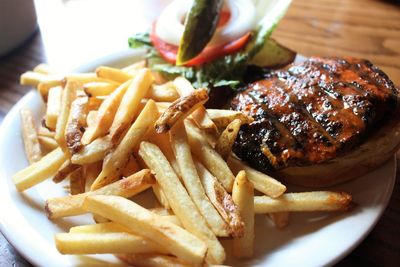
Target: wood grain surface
[361,28]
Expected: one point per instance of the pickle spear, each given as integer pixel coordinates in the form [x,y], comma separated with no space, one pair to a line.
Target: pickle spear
[273,55]
[200,25]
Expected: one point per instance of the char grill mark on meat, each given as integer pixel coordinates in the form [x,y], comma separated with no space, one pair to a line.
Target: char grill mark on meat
[310,112]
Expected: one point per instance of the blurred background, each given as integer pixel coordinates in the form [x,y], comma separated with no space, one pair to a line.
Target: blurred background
[70,33]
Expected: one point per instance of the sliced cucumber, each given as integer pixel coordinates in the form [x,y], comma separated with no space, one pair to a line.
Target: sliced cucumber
[272,54]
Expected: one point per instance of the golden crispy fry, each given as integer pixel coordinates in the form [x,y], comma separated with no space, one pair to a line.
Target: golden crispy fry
[306,201]
[66,169]
[141,221]
[82,78]
[47,143]
[93,152]
[91,171]
[45,87]
[34,78]
[280,219]
[261,181]
[127,187]
[128,108]
[133,68]
[243,196]
[105,115]
[192,181]
[68,96]
[75,124]
[227,139]
[117,159]
[93,89]
[102,243]
[30,136]
[107,227]
[152,260]
[77,182]
[180,109]
[163,93]
[39,171]
[113,74]
[91,118]
[222,117]
[131,167]
[43,131]
[208,156]
[180,202]
[160,195]
[53,106]
[221,200]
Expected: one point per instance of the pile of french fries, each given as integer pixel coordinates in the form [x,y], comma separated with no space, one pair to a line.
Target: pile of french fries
[115,133]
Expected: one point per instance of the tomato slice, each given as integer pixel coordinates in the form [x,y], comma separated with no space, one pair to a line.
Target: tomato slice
[169,51]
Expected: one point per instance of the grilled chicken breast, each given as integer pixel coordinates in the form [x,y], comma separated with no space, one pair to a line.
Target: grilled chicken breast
[312,114]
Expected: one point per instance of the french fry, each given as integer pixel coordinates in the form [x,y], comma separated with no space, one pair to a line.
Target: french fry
[93,89]
[53,106]
[68,96]
[280,219]
[44,69]
[34,78]
[221,200]
[66,169]
[91,171]
[30,136]
[162,199]
[179,242]
[102,243]
[83,78]
[71,205]
[117,159]
[107,227]
[131,167]
[305,201]
[227,139]
[39,171]
[43,131]
[243,196]
[262,182]
[152,260]
[180,109]
[45,87]
[192,181]
[222,117]
[112,74]
[163,93]
[129,104]
[208,156]
[76,182]
[180,202]
[91,118]
[105,115]
[47,143]
[133,68]
[76,122]
[93,152]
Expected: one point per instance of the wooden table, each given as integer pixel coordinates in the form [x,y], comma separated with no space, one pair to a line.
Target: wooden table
[73,32]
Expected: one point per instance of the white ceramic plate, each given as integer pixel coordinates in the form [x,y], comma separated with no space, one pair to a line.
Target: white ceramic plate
[312,239]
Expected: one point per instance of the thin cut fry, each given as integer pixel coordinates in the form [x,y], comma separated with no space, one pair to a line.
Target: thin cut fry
[180,109]
[227,139]
[76,122]
[222,117]
[261,181]
[208,156]
[117,159]
[112,74]
[221,200]
[93,152]
[280,219]
[306,201]
[30,136]
[243,196]
[71,205]
[39,171]
[139,220]
[192,181]
[180,202]
[53,106]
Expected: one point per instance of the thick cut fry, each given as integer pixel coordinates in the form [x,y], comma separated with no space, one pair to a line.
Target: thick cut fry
[243,196]
[222,117]
[163,93]
[93,89]
[75,124]
[192,181]
[93,152]
[208,156]
[139,220]
[68,96]
[261,181]
[71,205]
[180,109]
[76,182]
[102,243]
[221,200]
[105,114]
[306,201]
[280,219]
[112,74]
[129,104]
[66,169]
[47,143]
[39,171]
[117,159]
[152,260]
[53,107]
[162,199]
[30,136]
[131,167]
[227,139]
[180,202]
